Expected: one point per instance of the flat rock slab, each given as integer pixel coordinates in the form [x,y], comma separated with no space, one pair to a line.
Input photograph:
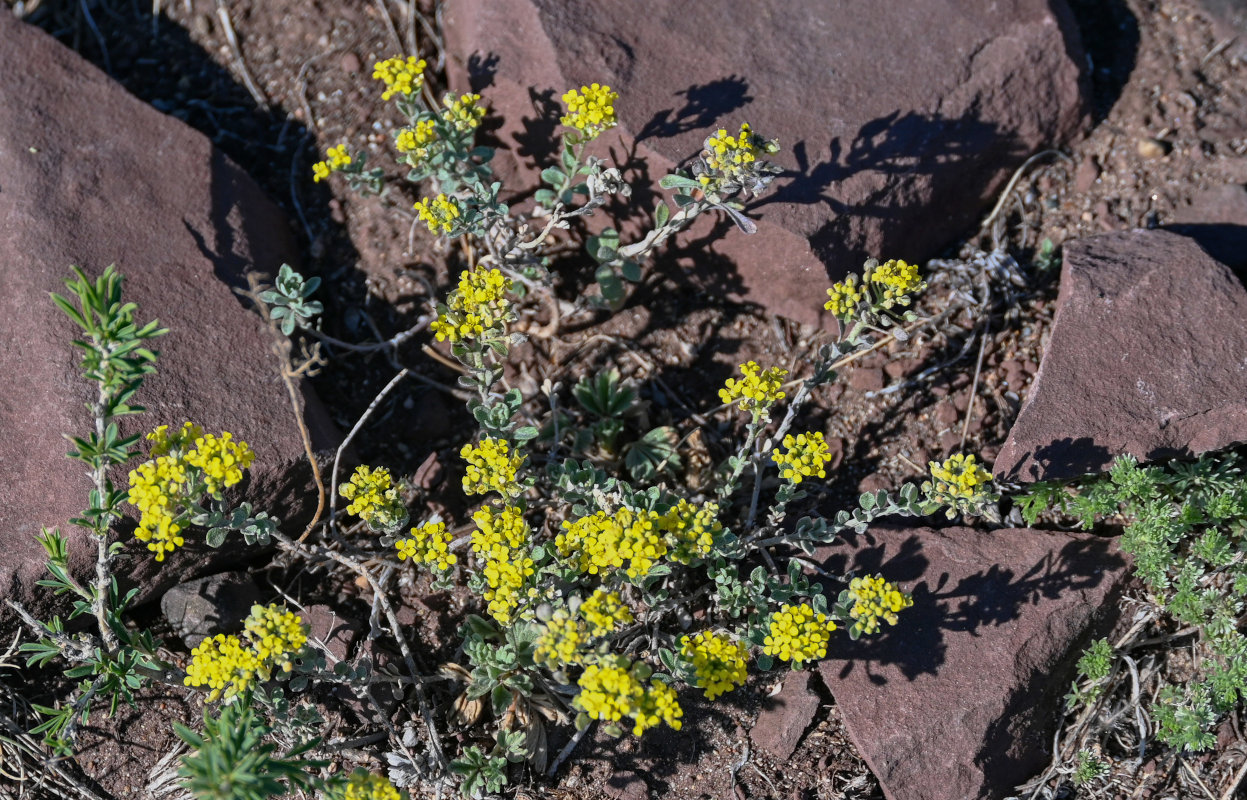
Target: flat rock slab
[899,122]
[91,176]
[1147,356]
[785,716]
[957,701]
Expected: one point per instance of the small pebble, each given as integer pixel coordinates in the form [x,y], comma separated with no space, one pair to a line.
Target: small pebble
[350,63]
[1153,148]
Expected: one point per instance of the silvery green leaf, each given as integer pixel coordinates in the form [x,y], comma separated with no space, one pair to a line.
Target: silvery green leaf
[215,537]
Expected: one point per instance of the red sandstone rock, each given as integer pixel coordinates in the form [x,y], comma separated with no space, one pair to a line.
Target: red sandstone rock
[957,701]
[899,122]
[91,176]
[1146,357]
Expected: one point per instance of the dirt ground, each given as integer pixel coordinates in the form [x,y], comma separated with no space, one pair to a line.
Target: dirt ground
[1170,121]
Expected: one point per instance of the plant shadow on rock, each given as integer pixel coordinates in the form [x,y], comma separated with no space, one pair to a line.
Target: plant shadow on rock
[275,149]
[951,153]
[1064,458]
[990,598]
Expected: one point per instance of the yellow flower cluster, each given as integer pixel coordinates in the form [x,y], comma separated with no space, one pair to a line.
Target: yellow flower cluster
[223,665]
[364,785]
[960,477]
[374,498]
[610,693]
[605,611]
[164,442]
[691,530]
[491,467]
[798,634]
[507,578]
[479,304]
[875,599]
[428,544]
[845,297]
[417,141]
[441,214]
[464,114]
[337,159]
[602,543]
[220,459]
[158,489]
[228,666]
[276,635]
[758,390]
[501,542]
[562,641]
[400,76]
[188,465]
[897,280]
[718,662]
[806,456]
[731,155]
[500,531]
[590,110]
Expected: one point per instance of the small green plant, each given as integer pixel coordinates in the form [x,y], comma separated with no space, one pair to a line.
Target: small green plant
[289,299]
[1089,768]
[1184,526]
[234,759]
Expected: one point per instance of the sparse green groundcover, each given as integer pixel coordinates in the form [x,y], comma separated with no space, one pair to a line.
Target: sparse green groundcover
[1184,525]
[606,588]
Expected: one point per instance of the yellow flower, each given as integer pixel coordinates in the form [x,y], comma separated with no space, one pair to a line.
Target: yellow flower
[491,467]
[731,155]
[897,280]
[500,531]
[441,214]
[417,141]
[508,578]
[758,390]
[477,306]
[277,636]
[164,442]
[718,662]
[221,460]
[168,487]
[875,599]
[223,665]
[374,498]
[612,692]
[605,611]
[659,704]
[363,785]
[158,489]
[337,159]
[429,544]
[400,76]
[806,455]
[600,543]
[590,110]
[463,114]
[960,477]
[561,642]
[798,634]
[845,296]
[228,665]
[690,530]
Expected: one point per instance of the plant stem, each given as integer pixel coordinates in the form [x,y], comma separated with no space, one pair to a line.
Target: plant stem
[102,588]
